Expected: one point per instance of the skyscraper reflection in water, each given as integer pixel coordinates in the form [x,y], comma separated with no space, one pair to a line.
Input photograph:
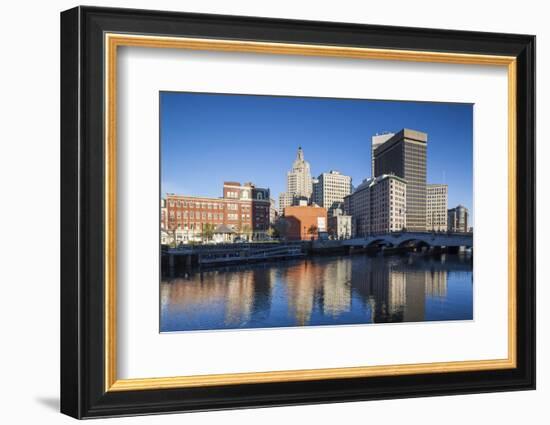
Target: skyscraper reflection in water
[320,291]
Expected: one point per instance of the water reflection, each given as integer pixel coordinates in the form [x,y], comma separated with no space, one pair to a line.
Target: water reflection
[320,291]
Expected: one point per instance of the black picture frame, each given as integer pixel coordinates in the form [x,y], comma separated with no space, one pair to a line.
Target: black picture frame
[83,392]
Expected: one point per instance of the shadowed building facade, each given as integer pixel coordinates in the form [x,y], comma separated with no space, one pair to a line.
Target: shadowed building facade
[404,154]
[376,141]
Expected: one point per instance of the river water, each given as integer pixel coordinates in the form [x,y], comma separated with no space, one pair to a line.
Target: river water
[334,290]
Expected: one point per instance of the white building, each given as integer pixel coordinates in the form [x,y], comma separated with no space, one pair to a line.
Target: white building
[330,189]
[298,179]
[299,184]
[340,225]
[378,205]
[436,207]
[273,213]
[285,200]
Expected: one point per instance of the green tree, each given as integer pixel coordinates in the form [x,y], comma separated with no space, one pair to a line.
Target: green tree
[272,232]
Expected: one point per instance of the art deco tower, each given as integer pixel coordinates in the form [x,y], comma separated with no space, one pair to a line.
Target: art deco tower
[298,180]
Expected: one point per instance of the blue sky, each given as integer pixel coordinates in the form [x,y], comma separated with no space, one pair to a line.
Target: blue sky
[207,139]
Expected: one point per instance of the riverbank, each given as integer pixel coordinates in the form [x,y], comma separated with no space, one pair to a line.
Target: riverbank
[215,256]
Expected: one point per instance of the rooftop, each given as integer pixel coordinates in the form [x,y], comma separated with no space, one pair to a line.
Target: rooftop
[405,133]
[375,180]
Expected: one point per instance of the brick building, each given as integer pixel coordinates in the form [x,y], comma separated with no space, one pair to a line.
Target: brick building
[305,222]
[243,208]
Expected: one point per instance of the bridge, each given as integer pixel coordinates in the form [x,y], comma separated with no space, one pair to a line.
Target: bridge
[412,239]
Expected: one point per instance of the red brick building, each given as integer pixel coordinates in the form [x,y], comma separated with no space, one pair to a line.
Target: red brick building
[305,222]
[243,208]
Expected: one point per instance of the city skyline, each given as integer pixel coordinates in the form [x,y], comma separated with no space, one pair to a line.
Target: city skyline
[256,139]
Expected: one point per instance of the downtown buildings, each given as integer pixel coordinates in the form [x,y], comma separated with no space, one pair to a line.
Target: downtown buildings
[401,159]
[327,191]
[243,212]
[396,199]
[309,204]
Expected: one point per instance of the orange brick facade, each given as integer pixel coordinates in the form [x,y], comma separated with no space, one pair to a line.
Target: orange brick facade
[303,220]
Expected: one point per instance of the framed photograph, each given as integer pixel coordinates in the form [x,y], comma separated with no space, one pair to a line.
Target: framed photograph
[261,212]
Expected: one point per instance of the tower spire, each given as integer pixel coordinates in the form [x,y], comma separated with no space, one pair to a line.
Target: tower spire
[300,154]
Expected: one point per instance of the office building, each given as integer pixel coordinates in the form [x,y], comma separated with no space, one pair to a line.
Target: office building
[376,141]
[299,184]
[457,219]
[330,189]
[436,207]
[285,200]
[378,205]
[299,181]
[404,154]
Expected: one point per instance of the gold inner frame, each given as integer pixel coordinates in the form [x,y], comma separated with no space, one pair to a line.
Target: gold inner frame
[113,41]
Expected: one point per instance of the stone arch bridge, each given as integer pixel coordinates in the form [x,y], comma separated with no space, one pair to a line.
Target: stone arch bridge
[407,239]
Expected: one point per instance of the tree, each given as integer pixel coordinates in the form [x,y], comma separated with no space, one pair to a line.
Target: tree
[313,230]
[207,231]
[247,231]
[171,236]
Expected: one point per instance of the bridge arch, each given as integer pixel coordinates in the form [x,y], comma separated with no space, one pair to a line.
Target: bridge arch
[381,242]
[417,242]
